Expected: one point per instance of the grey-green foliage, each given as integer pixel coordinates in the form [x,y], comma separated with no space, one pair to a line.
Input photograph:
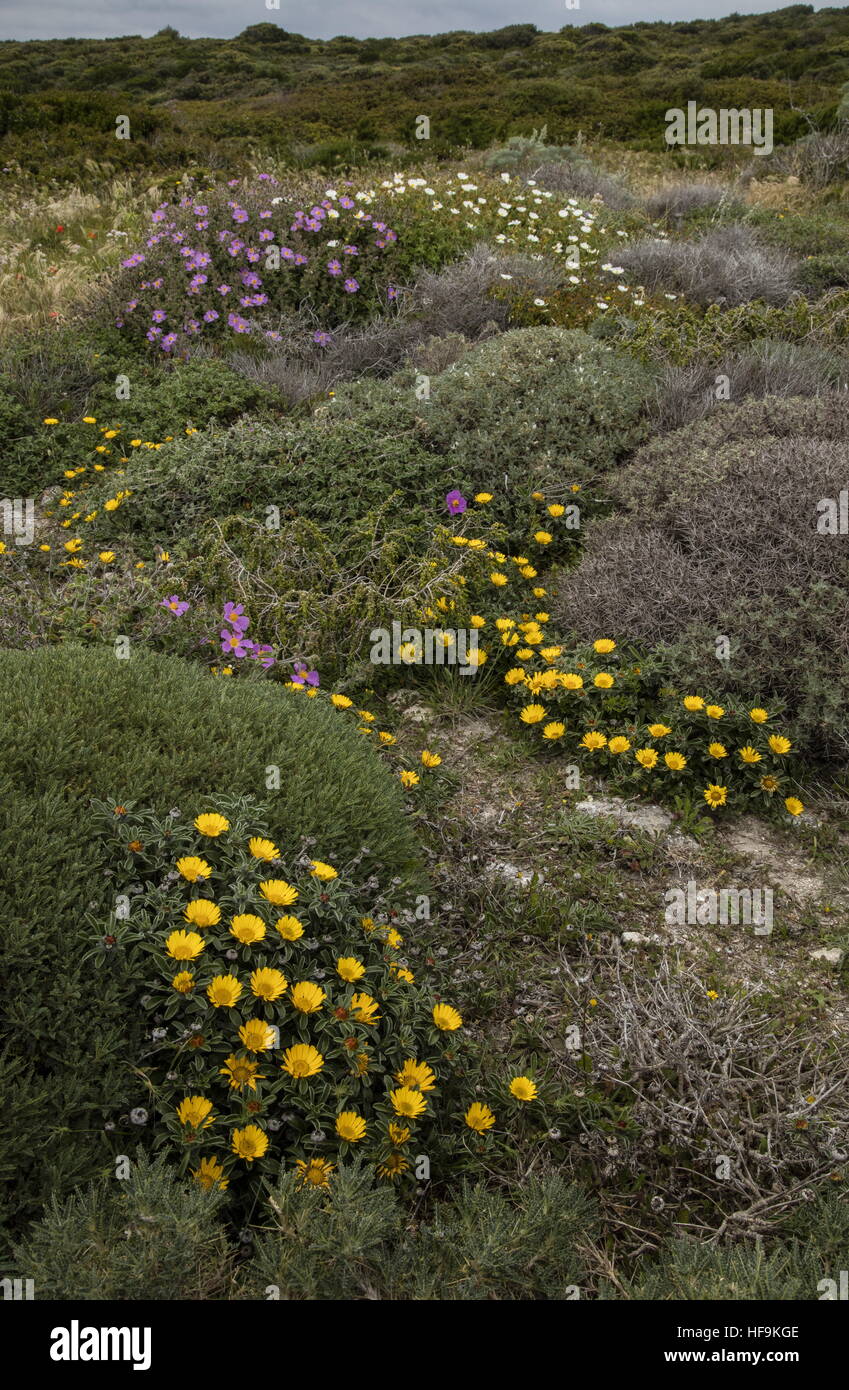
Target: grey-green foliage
[687,1270]
[813,1249]
[522,150]
[356,1240]
[530,409]
[717,533]
[148,1236]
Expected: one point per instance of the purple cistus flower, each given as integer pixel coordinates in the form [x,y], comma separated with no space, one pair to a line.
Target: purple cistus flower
[304,677]
[351,285]
[175,605]
[321,337]
[233,643]
[262,653]
[234,613]
[456,502]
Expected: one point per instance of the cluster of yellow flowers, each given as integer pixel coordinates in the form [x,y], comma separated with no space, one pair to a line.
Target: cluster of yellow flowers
[107,450]
[578,686]
[355,1020]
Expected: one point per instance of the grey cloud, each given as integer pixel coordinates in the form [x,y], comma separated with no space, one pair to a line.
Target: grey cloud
[224,18]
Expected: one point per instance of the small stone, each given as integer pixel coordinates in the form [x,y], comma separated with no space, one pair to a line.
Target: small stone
[833,955]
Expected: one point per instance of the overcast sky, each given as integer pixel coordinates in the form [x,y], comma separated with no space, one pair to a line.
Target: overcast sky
[322,19]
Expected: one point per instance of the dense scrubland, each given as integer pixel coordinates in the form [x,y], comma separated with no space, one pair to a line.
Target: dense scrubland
[355,977]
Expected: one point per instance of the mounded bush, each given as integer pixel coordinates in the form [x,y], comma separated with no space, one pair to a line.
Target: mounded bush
[155,1236]
[224,262]
[769,367]
[539,407]
[354,1241]
[455,305]
[81,724]
[161,403]
[309,594]
[717,535]
[529,409]
[327,472]
[727,266]
[679,200]
[580,178]
[146,1235]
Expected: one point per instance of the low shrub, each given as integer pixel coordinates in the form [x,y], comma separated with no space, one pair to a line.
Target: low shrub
[684,334]
[526,409]
[769,367]
[522,151]
[580,178]
[718,536]
[312,597]
[677,201]
[726,266]
[135,1235]
[156,1236]
[798,1266]
[356,1240]
[455,306]
[820,159]
[224,261]
[687,1270]
[287,1027]
[160,404]
[170,736]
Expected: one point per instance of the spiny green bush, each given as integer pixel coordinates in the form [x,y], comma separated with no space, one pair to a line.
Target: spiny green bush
[684,334]
[523,150]
[141,1235]
[164,402]
[718,537]
[161,404]
[517,413]
[81,724]
[793,1264]
[330,474]
[356,1240]
[687,1270]
[155,1236]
